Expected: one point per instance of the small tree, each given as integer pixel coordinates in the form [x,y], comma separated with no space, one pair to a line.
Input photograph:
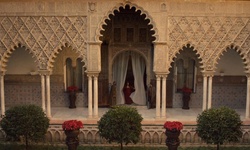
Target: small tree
[28,121]
[121,124]
[216,126]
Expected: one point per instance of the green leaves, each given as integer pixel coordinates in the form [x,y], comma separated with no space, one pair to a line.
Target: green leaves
[217,126]
[27,121]
[121,124]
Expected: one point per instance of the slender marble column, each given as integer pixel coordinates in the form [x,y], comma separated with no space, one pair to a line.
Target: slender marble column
[158,98]
[204,103]
[43,91]
[48,96]
[248,97]
[163,92]
[2,95]
[90,95]
[210,79]
[95,97]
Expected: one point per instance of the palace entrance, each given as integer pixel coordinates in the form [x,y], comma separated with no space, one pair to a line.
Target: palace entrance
[126,43]
[129,67]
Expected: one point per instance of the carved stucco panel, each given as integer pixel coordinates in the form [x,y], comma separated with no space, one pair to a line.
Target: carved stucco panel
[160,58]
[43,36]
[209,35]
[94,57]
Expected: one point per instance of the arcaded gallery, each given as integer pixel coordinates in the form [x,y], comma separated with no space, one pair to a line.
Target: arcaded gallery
[137,53]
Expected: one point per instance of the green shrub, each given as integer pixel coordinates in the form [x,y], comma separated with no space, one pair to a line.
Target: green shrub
[121,124]
[216,126]
[27,121]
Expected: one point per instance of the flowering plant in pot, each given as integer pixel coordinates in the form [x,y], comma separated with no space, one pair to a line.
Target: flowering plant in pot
[72,88]
[72,129]
[186,90]
[173,125]
[72,96]
[172,132]
[72,125]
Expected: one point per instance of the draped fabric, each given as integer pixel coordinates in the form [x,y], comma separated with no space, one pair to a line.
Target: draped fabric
[138,66]
[120,66]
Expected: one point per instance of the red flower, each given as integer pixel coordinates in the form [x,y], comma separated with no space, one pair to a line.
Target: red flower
[72,125]
[173,126]
[186,90]
[72,88]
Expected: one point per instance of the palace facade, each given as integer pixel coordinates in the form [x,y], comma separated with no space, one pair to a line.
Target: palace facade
[47,46]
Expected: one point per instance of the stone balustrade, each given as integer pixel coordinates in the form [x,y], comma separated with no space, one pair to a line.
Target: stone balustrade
[152,135]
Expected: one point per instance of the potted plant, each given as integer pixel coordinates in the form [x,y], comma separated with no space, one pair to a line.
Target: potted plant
[173,130]
[72,129]
[72,96]
[186,92]
[72,88]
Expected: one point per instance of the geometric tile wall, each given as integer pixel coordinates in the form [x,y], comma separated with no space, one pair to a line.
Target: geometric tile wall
[30,93]
[26,90]
[233,96]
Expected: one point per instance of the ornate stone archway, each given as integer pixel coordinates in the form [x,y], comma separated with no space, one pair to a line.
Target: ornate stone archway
[209,35]
[43,36]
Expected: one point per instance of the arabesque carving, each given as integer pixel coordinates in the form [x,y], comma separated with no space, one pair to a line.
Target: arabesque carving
[43,36]
[210,36]
[116,8]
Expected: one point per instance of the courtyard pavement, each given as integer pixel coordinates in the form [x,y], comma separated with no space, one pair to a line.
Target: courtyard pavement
[187,116]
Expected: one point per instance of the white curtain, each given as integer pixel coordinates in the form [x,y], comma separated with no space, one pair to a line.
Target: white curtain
[120,66]
[138,65]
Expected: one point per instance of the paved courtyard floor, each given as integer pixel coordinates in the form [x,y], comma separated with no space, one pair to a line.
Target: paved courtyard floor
[187,116]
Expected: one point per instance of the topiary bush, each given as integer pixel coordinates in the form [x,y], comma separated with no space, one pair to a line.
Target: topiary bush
[27,121]
[216,126]
[121,124]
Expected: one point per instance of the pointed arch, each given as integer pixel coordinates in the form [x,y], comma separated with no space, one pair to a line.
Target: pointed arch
[8,52]
[66,45]
[189,45]
[244,56]
[110,13]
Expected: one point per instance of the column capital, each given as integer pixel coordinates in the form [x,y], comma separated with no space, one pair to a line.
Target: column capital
[162,75]
[207,73]
[44,72]
[2,73]
[92,74]
[248,75]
